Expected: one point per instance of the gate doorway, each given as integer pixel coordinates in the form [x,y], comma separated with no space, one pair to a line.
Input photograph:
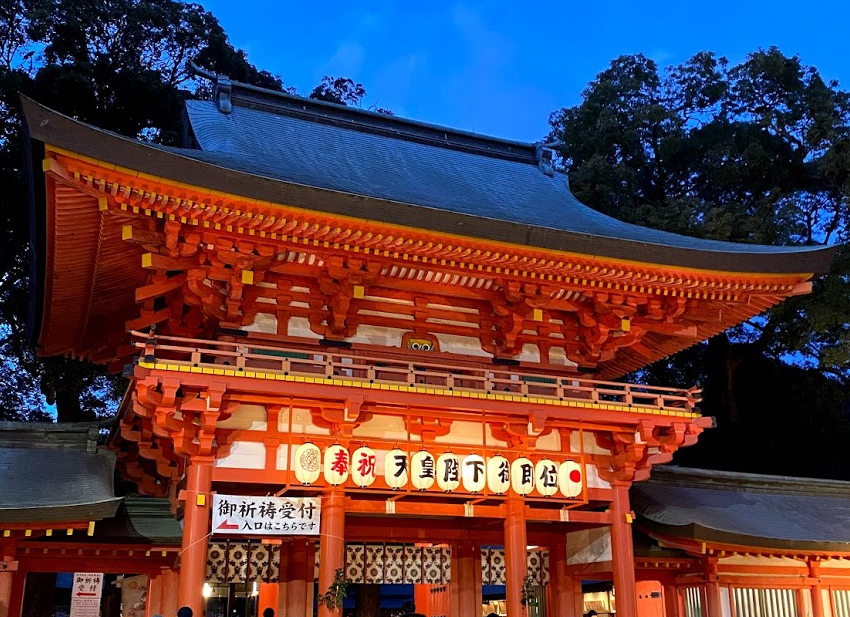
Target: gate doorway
[231,600]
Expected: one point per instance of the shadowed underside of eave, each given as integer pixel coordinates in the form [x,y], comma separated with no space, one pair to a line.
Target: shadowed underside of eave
[91,273]
[90,303]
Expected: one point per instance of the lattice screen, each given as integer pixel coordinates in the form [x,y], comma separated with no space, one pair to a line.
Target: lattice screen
[758,602]
[239,562]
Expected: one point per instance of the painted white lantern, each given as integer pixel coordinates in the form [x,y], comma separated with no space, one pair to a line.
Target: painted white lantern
[522,476]
[570,479]
[423,470]
[546,477]
[307,463]
[337,465]
[448,472]
[474,473]
[396,469]
[363,465]
[498,474]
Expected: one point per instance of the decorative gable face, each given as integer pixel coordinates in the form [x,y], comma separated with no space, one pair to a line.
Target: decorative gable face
[416,342]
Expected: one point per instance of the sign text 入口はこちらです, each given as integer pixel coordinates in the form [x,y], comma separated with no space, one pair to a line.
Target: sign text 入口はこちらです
[268,516]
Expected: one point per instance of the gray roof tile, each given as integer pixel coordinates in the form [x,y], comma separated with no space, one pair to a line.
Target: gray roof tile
[47,475]
[319,152]
[761,510]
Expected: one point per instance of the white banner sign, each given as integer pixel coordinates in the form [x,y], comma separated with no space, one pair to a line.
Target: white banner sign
[87,585]
[267,516]
[85,594]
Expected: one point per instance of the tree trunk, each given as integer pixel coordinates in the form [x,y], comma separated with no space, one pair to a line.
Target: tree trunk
[68,407]
[368,602]
[39,595]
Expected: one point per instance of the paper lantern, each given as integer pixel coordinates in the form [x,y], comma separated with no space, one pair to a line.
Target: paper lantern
[337,464]
[422,470]
[570,479]
[522,476]
[308,463]
[396,468]
[363,461]
[498,474]
[474,473]
[546,477]
[448,472]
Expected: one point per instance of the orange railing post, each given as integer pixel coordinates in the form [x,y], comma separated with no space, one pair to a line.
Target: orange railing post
[392,370]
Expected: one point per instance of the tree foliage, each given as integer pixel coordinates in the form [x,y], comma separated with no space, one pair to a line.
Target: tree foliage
[758,153]
[122,65]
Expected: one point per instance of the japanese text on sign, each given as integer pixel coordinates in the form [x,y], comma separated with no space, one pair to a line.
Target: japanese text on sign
[472,473]
[87,585]
[268,516]
[85,594]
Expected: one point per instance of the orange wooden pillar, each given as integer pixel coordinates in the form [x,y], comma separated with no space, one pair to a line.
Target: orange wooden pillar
[466,579]
[817,590]
[310,576]
[516,555]
[16,602]
[331,543]
[622,551]
[283,576]
[671,600]
[565,596]
[712,589]
[267,598]
[299,579]
[422,595]
[168,599]
[196,528]
[422,599]
[153,603]
[8,567]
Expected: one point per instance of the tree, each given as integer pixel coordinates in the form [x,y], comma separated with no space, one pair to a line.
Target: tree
[340,90]
[752,153]
[122,65]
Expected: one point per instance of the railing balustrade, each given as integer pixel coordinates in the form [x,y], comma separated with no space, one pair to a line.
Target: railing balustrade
[442,378]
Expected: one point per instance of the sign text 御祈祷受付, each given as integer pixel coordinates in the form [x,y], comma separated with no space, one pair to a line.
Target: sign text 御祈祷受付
[268,516]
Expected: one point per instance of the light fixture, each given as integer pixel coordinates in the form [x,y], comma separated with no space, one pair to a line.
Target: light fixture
[207,591]
[255,589]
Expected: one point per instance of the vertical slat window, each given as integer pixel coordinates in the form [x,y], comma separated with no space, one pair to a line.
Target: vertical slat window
[693,602]
[841,602]
[754,602]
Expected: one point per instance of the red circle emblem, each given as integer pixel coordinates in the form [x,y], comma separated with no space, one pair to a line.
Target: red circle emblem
[575,475]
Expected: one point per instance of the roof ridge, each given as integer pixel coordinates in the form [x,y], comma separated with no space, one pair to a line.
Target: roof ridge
[227,92]
[55,427]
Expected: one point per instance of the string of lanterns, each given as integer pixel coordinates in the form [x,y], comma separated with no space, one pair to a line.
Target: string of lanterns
[448,472]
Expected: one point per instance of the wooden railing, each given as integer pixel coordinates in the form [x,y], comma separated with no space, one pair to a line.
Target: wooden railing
[342,364]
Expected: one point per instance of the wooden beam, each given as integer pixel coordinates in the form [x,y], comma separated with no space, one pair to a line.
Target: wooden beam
[134,235]
[158,289]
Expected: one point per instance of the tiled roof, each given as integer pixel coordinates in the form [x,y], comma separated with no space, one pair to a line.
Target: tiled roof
[141,520]
[318,153]
[745,509]
[316,144]
[329,159]
[54,473]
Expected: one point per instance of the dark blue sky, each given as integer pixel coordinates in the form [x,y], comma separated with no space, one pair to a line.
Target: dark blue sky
[501,67]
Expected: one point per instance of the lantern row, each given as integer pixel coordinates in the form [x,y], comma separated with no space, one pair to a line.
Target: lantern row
[449,471]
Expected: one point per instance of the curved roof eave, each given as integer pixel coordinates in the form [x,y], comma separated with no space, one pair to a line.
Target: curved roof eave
[698,533]
[55,129]
[745,509]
